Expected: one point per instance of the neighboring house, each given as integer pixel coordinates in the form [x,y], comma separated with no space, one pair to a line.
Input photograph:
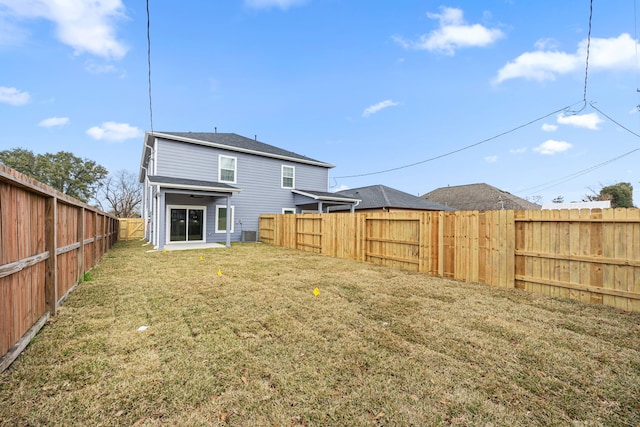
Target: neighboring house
[212,187]
[481,197]
[387,199]
[606,204]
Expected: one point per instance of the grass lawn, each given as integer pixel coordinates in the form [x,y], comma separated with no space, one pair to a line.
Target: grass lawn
[255,347]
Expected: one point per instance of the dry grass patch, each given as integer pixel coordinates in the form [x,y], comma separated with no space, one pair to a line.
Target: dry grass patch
[255,346]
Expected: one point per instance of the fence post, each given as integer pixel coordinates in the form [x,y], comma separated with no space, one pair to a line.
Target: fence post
[51,265]
[511,250]
[80,239]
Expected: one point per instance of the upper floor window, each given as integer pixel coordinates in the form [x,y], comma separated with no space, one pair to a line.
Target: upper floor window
[288,177]
[227,168]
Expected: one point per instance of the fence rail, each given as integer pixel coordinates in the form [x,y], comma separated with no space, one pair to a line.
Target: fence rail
[48,241]
[592,256]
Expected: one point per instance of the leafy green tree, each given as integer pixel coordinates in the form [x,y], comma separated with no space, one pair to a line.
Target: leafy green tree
[76,177]
[620,194]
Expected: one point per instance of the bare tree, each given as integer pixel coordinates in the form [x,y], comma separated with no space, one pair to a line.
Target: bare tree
[121,194]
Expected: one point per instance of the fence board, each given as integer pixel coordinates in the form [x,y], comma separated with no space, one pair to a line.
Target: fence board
[592,256]
[40,239]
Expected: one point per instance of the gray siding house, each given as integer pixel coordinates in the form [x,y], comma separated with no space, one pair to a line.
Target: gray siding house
[212,187]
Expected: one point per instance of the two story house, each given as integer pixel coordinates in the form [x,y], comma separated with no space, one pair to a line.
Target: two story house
[212,187]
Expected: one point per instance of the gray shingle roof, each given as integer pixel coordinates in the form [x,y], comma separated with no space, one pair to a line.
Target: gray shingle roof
[482,197]
[381,196]
[235,141]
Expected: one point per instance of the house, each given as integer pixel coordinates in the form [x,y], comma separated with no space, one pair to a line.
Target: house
[212,187]
[596,204]
[378,198]
[481,197]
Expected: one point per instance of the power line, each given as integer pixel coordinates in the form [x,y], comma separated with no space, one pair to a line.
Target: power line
[149,65]
[458,150]
[586,65]
[612,120]
[574,175]
[562,180]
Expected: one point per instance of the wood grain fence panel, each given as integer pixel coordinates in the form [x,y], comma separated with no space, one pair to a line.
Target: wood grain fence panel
[589,256]
[38,225]
[634,275]
[428,249]
[621,252]
[608,251]
[564,237]
[595,251]
[10,252]
[130,228]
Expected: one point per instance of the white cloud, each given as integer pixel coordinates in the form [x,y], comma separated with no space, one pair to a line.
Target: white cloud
[550,147]
[543,64]
[113,131]
[491,159]
[13,96]
[264,4]
[54,121]
[87,26]
[453,34]
[377,107]
[518,150]
[95,68]
[587,121]
[547,127]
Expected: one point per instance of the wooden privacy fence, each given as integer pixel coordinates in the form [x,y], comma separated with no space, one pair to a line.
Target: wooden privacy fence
[591,256]
[130,228]
[47,242]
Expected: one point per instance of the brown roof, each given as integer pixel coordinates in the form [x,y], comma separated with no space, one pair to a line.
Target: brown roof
[482,197]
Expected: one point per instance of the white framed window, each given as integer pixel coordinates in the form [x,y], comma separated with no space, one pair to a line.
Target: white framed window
[227,169]
[288,177]
[222,218]
[288,210]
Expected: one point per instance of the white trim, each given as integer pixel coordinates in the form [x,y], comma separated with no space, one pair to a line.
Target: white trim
[232,219]
[235,169]
[155,161]
[282,177]
[187,207]
[288,210]
[197,187]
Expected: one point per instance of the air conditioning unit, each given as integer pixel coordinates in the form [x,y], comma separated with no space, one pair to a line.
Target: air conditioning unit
[249,236]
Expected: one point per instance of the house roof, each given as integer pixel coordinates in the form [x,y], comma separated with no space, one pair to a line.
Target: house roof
[191,184]
[381,196]
[482,197]
[325,196]
[227,141]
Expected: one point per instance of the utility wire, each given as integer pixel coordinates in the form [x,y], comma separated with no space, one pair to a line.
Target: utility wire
[562,180]
[614,121]
[586,65]
[550,184]
[149,65]
[459,149]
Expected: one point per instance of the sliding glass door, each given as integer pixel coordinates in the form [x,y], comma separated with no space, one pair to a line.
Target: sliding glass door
[186,224]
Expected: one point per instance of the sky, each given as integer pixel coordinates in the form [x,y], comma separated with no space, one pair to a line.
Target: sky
[415,95]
